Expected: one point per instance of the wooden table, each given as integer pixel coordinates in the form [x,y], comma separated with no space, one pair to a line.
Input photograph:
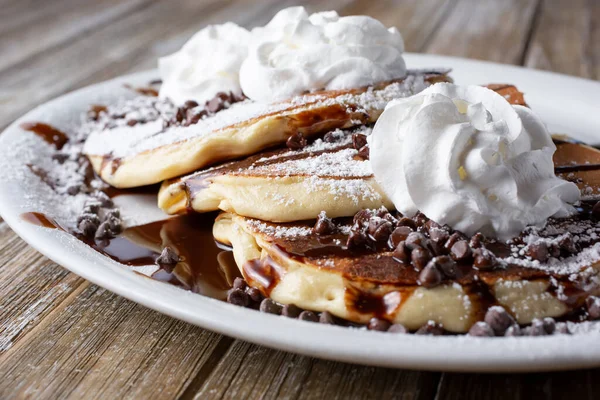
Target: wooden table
[63,337]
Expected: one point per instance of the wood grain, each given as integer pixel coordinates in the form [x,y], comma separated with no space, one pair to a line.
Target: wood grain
[567,38]
[490,30]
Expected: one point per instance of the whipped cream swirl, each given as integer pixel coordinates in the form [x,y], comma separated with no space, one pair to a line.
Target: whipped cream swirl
[207,64]
[295,53]
[465,157]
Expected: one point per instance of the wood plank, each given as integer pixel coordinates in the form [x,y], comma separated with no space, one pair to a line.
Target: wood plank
[567,38]
[27,30]
[416,20]
[549,385]
[253,372]
[491,30]
[99,345]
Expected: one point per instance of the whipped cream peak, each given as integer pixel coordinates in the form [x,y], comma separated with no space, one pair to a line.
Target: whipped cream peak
[467,158]
[297,52]
[207,64]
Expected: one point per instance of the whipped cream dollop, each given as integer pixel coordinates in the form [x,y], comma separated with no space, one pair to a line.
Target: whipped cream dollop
[295,53]
[207,64]
[464,156]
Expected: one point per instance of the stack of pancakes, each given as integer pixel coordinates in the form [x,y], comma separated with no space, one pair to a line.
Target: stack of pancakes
[308,223]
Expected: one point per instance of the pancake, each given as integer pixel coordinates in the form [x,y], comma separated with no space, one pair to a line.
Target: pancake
[284,185]
[292,264]
[148,144]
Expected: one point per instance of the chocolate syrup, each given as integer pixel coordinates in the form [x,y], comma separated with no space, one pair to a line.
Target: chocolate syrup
[206,267]
[145,91]
[48,133]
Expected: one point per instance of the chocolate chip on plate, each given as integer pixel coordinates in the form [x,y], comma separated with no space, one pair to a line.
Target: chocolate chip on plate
[397,328]
[239,283]
[513,330]
[537,328]
[296,141]
[327,318]
[291,311]
[89,225]
[430,328]
[499,319]
[254,294]
[455,237]
[270,307]
[593,307]
[238,297]
[378,324]
[549,325]
[190,104]
[481,329]
[308,316]
[168,259]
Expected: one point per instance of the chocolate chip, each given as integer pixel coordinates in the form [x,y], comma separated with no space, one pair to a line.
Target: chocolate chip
[380,230]
[430,276]
[361,217]
[460,251]
[105,231]
[397,328]
[330,137]
[180,114]
[477,240]
[112,214]
[431,224]
[549,325]
[270,307]
[291,311]
[168,259]
[296,141]
[327,318]
[356,240]
[538,251]
[438,235]
[193,116]
[498,319]
[363,152]
[567,244]
[446,265]
[254,294]
[562,328]
[377,324]
[60,157]
[214,105]
[237,96]
[238,297]
[420,219]
[455,237]
[536,329]
[324,225]
[89,226]
[190,104]
[596,210]
[399,235]
[238,283]
[91,207]
[430,328]
[404,221]
[593,307]
[401,253]
[104,200]
[308,316]
[132,122]
[419,257]
[358,141]
[414,240]
[484,259]
[513,330]
[481,329]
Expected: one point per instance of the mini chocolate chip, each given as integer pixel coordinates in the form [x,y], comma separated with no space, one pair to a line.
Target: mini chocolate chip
[88,227]
[438,235]
[270,307]
[377,324]
[132,122]
[327,318]
[513,330]
[562,328]
[104,200]
[60,157]
[358,141]
[238,297]
[104,231]
[538,251]
[399,235]
[446,265]
[431,224]
[329,137]
[296,141]
[238,283]
[414,240]
[420,219]
[214,105]
[91,207]
[499,319]
[455,237]
[255,294]
[593,307]
[537,328]
[481,329]
[554,250]
[361,217]
[356,240]
[549,325]
[190,104]
[114,213]
[567,244]
[484,259]
[430,328]
[596,210]
[477,240]
[237,96]
[397,328]
[168,259]
[291,311]
[324,225]
[193,116]
[363,152]
[404,221]
[460,251]
[180,114]
[88,216]
[308,316]
[430,276]
[401,253]
[380,230]
[419,257]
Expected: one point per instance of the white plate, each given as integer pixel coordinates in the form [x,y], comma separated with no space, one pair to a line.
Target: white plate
[567,104]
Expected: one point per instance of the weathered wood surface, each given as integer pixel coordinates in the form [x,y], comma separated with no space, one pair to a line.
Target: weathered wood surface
[62,337]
